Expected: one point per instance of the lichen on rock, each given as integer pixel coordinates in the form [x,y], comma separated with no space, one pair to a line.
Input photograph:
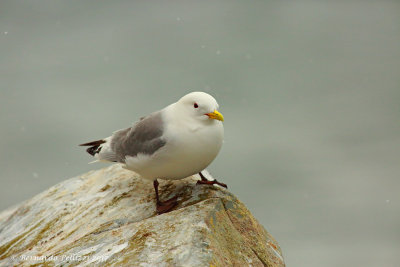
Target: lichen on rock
[108,217]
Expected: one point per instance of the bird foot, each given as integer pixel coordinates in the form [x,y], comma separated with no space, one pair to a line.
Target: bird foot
[212,182]
[165,206]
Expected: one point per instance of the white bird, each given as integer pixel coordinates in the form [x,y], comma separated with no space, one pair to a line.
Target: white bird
[178,141]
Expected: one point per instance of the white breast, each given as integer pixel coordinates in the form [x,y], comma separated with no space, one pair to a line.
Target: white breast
[188,150]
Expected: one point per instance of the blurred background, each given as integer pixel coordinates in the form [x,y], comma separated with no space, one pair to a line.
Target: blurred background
[310,91]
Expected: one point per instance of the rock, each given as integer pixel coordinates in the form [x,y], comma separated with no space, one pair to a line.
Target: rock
[107,217]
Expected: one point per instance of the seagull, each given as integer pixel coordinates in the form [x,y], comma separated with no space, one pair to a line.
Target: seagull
[173,143]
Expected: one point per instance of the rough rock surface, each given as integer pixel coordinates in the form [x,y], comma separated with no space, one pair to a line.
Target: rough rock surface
[107,217]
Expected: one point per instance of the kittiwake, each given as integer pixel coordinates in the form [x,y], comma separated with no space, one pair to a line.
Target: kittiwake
[180,140]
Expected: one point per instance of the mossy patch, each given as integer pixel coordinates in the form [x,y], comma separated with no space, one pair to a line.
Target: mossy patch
[116,199]
[135,246]
[5,249]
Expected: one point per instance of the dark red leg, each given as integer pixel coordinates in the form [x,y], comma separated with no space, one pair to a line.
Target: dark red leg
[163,207]
[205,181]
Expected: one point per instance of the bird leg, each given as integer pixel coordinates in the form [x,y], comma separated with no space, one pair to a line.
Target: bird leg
[165,206]
[205,181]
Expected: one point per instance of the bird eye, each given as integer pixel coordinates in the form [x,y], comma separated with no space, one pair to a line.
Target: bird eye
[195,105]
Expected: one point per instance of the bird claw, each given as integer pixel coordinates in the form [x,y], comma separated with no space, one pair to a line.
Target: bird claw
[166,206]
[212,183]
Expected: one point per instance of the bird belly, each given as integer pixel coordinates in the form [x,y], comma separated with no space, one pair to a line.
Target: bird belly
[183,155]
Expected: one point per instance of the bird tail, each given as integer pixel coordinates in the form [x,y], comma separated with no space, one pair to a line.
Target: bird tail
[94,147]
[101,150]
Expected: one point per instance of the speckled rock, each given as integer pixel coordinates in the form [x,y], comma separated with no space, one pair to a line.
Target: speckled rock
[107,217]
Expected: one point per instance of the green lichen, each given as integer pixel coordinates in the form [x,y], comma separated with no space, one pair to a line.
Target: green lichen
[52,192]
[135,246]
[116,199]
[4,250]
[14,246]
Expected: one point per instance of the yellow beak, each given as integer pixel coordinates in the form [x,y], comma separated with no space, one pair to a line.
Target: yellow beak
[215,115]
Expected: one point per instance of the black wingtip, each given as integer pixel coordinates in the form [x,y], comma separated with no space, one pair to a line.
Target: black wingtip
[94,146]
[93,150]
[94,143]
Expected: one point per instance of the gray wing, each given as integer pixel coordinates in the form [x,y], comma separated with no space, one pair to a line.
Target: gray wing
[144,137]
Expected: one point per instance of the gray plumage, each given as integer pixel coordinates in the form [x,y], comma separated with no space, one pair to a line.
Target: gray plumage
[144,137]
